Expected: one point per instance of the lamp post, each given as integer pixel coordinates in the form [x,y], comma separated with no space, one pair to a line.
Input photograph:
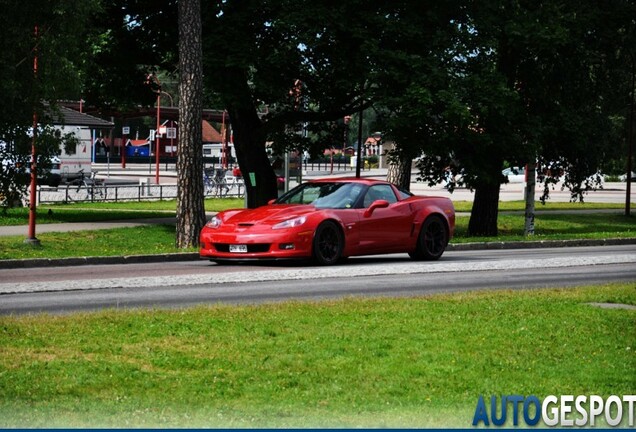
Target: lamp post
[361,114]
[630,140]
[223,144]
[31,239]
[359,154]
[155,85]
[157,135]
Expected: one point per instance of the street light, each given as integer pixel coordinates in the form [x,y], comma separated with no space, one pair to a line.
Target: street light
[31,239]
[630,140]
[155,85]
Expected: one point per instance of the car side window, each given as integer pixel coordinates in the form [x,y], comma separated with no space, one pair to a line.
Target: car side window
[379,192]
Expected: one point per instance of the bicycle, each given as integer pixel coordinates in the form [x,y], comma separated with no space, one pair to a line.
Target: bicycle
[232,181]
[214,182]
[93,185]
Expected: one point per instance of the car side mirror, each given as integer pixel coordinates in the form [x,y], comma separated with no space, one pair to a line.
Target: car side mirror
[375,205]
[272,201]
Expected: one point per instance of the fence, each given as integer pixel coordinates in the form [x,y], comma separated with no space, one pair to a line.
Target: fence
[146,191]
[114,193]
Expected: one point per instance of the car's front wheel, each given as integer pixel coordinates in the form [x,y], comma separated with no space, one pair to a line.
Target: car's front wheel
[432,240]
[328,243]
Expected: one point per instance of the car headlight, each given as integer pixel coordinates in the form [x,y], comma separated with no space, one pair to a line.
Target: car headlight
[214,223]
[291,223]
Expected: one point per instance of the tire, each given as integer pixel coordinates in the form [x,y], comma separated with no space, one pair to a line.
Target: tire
[328,244]
[432,240]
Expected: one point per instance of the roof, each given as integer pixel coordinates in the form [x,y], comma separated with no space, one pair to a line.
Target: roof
[137,143]
[364,180]
[210,135]
[69,117]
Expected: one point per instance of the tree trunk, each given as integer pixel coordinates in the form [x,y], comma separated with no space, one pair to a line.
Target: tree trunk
[249,143]
[531,181]
[190,205]
[483,217]
[399,172]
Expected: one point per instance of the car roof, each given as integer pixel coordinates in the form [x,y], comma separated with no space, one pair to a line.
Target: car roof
[367,181]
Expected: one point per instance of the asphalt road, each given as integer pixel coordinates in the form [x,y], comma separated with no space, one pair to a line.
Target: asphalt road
[186,283]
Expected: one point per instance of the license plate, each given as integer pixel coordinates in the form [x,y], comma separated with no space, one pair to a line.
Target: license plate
[238,248]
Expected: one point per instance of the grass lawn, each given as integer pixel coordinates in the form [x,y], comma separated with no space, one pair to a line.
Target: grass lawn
[417,362]
[554,227]
[89,212]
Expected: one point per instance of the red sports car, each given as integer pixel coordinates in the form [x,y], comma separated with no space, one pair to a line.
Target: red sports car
[330,219]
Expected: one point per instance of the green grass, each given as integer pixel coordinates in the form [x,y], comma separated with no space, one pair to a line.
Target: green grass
[554,227]
[151,239]
[418,362]
[89,212]
[505,206]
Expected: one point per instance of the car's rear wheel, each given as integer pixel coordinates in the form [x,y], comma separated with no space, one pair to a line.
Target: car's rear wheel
[328,243]
[432,241]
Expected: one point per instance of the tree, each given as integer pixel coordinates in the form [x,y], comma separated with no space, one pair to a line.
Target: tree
[190,208]
[526,84]
[258,49]
[413,70]
[59,42]
[129,39]
[254,51]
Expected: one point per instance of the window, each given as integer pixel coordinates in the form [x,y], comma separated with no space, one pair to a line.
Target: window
[324,195]
[379,192]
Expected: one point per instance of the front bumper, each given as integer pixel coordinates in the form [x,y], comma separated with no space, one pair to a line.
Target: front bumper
[283,244]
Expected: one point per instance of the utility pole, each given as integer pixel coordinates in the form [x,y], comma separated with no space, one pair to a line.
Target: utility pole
[630,142]
[31,239]
[359,154]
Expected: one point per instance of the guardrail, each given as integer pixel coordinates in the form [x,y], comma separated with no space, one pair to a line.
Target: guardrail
[113,193]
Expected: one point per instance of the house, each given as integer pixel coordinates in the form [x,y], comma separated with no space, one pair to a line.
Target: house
[73,161]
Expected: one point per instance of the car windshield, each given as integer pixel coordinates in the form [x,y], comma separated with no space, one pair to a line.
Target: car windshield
[337,195]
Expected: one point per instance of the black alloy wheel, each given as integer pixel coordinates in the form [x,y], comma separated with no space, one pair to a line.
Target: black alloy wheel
[328,243]
[432,240]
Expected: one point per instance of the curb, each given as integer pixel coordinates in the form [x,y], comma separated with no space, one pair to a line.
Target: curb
[194,256]
[65,262]
[540,244]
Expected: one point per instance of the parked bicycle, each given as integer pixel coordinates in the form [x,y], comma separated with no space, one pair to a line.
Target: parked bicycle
[214,182]
[219,183]
[94,187]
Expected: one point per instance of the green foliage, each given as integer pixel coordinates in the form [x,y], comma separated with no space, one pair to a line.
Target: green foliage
[418,362]
[59,47]
[52,32]
[15,156]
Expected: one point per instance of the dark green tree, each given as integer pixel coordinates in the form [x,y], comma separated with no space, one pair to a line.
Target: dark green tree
[528,82]
[55,35]
[415,68]
[255,52]
[130,39]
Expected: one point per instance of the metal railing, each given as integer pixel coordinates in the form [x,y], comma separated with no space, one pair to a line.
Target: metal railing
[114,193]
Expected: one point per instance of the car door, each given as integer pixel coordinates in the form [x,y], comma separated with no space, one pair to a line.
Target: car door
[386,229]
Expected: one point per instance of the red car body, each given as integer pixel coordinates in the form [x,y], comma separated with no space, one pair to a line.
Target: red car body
[376,218]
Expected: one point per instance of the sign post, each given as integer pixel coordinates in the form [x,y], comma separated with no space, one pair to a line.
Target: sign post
[125,131]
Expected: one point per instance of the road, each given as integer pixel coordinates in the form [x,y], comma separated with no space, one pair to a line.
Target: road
[186,283]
